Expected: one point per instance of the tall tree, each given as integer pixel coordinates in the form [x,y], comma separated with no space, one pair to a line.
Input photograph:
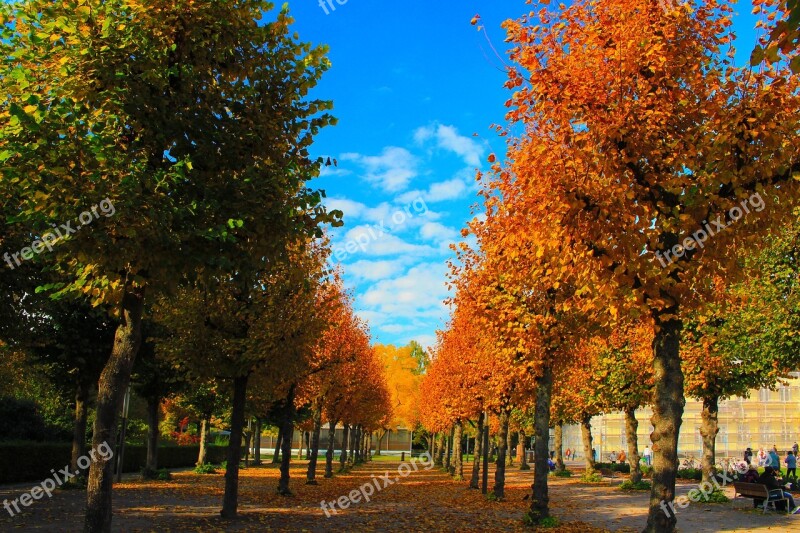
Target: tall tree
[189,118]
[640,166]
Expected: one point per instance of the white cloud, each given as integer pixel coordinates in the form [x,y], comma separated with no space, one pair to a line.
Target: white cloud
[434,231]
[391,171]
[418,293]
[448,138]
[375,270]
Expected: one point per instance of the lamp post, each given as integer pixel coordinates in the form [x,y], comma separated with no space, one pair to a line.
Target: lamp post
[126,402]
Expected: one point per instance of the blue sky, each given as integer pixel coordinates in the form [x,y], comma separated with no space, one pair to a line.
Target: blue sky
[416,89]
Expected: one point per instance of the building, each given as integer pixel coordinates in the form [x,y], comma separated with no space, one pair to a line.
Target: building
[764,419]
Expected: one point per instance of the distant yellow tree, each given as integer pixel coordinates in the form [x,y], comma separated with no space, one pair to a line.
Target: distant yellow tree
[404,378]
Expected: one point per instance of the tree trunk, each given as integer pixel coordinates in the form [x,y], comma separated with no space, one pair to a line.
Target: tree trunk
[485,480]
[331,446]
[476,460]
[369,447]
[308,444]
[457,451]
[79,427]
[668,405]
[509,443]
[343,455]
[586,437]
[153,404]
[276,457]
[559,445]
[311,474]
[257,443]
[286,453]
[111,389]
[448,442]
[201,457]
[380,440]
[248,434]
[500,468]
[356,445]
[523,457]
[540,501]
[230,501]
[631,426]
[440,451]
[708,430]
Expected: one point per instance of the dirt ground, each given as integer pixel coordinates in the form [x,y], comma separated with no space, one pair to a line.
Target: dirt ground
[421,500]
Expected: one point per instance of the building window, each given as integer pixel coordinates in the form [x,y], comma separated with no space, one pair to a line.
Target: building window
[786,394]
[763,395]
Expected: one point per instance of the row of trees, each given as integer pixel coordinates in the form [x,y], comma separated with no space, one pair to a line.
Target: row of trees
[633,138]
[189,124]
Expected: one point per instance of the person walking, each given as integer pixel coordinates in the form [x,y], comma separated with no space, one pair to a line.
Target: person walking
[648,455]
[795,449]
[774,460]
[613,456]
[748,456]
[791,465]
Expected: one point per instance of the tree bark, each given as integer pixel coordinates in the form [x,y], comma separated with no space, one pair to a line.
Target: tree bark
[153,404]
[559,445]
[523,458]
[331,446]
[257,443]
[380,441]
[474,482]
[631,426]
[449,451]
[343,455]
[500,468]
[485,437]
[311,474]
[201,457]
[668,405]
[286,452]
[509,442]
[111,389]
[79,427]
[230,501]
[540,501]
[276,457]
[440,451]
[586,437]
[457,451]
[708,430]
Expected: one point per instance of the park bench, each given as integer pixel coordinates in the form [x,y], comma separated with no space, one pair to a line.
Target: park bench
[607,472]
[757,491]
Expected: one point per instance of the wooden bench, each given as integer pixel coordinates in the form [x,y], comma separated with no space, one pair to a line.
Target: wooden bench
[757,491]
[607,472]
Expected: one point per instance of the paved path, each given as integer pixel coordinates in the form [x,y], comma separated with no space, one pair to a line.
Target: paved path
[424,500]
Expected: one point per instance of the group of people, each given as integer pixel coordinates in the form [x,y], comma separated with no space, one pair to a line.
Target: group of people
[772,459]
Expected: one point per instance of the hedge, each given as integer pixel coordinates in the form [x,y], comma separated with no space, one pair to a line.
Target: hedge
[32,461]
[624,468]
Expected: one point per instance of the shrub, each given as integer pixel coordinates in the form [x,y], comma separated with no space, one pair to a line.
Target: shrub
[690,473]
[562,473]
[205,469]
[592,477]
[162,474]
[647,471]
[624,468]
[641,485]
[532,520]
[717,496]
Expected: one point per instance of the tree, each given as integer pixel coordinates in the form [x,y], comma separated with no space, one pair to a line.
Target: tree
[783,40]
[190,119]
[629,165]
